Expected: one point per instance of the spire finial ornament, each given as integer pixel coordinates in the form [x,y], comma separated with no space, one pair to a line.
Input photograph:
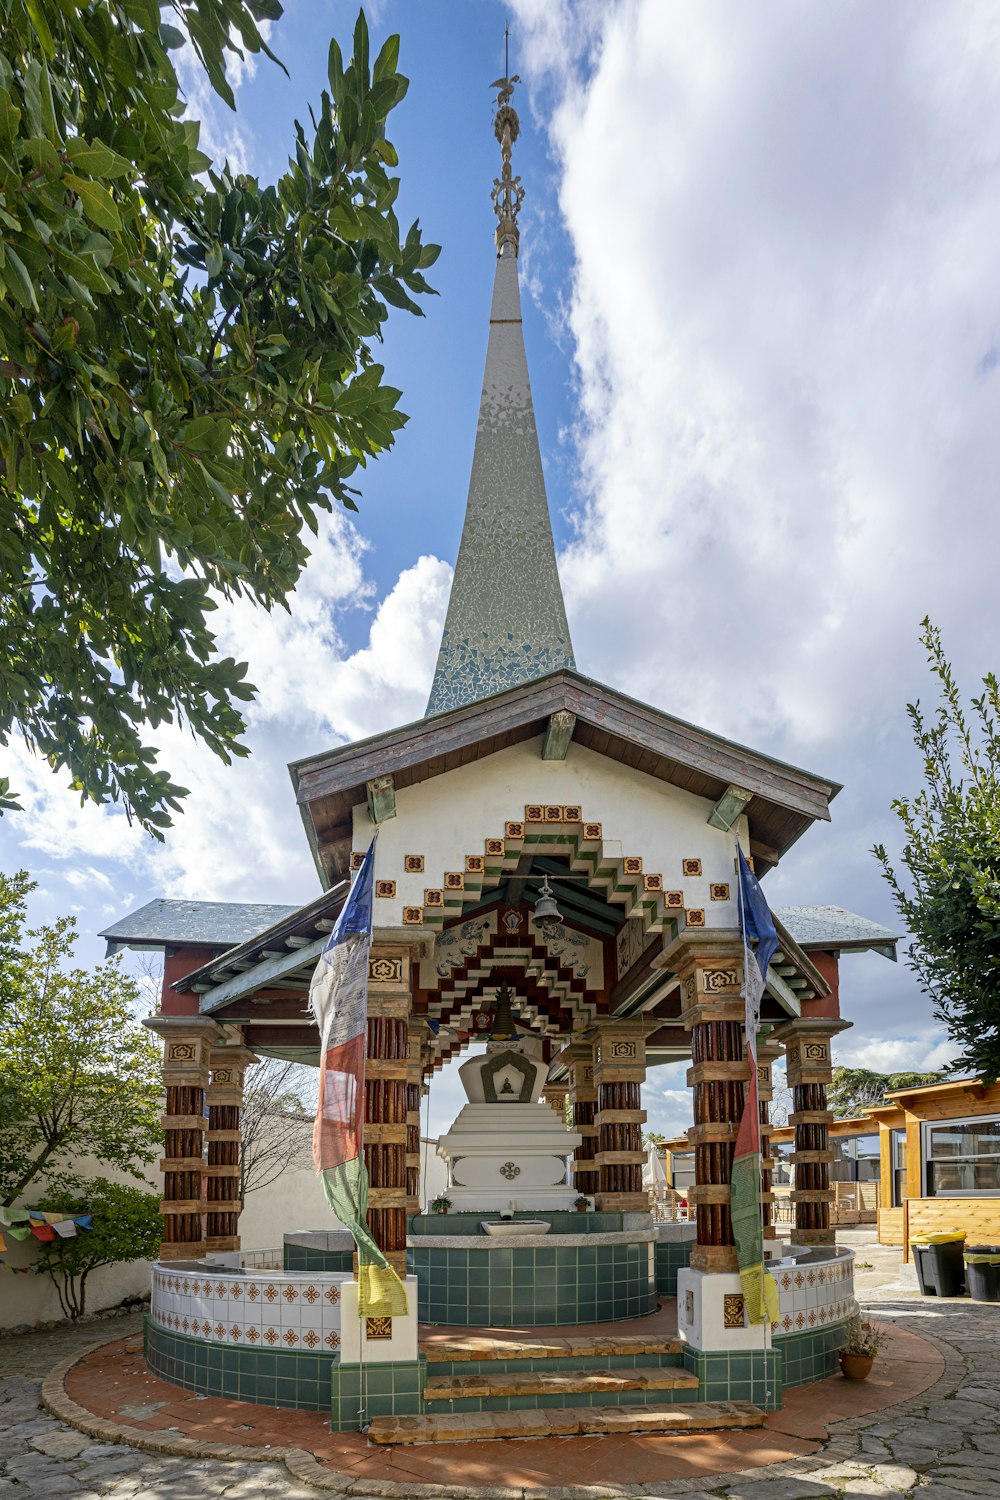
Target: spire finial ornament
[508,194]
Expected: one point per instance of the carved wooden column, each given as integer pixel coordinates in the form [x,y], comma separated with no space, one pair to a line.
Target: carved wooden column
[807,1042]
[619,1073]
[768,1053]
[225,1103]
[579,1060]
[416,1032]
[710,966]
[387,1071]
[187,1043]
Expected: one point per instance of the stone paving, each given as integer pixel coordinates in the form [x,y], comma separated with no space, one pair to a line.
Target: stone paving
[941,1445]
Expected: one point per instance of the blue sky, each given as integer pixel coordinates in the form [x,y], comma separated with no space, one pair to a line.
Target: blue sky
[762,318]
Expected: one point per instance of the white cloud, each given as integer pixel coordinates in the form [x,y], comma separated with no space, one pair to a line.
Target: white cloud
[239,836]
[785,320]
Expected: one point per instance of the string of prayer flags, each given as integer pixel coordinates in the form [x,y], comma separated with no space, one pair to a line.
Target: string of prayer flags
[19,1231]
[43,1232]
[65,1229]
[83,1221]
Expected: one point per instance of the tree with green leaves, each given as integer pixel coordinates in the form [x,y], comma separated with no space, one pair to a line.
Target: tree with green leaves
[187,376]
[853,1090]
[126,1227]
[947,884]
[79,1075]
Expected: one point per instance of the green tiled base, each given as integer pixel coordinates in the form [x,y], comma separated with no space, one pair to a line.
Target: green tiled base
[561,1221]
[299,1380]
[671,1257]
[810,1356]
[520,1287]
[747,1376]
[307,1258]
[358,1393]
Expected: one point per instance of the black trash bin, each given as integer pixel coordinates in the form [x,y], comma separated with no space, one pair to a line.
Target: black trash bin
[982,1272]
[938,1259]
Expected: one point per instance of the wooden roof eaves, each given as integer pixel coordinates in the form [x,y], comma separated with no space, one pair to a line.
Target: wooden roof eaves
[325,905]
[348,767]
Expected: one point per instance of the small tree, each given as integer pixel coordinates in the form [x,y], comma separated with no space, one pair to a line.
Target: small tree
[126,1227]
[79,1077]
[853,1090]
[948,891]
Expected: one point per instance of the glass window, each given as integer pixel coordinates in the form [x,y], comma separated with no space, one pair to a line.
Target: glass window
[963,1158]
[781,1176]
[855,1158]
[898,1167]
[682,1170]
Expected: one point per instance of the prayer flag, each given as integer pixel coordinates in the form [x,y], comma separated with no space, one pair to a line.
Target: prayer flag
[43,1232]
[760,1291]
[19,1231]
[338,997]
[65,1229]
[3,1242]
[83,1221]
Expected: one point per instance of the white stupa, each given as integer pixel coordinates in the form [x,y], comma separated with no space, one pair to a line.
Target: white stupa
[507,1146]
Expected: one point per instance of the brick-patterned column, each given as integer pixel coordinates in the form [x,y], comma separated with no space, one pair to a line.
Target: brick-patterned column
[579,1060]
[807,1042]
[710,967]
[387,1072]
[416,1031]
[619,1073]
[768,1053]
[187,1044]
[224,1098]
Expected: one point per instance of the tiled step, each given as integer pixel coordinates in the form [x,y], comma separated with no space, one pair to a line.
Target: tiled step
[566,1421]
[595,1346]
[558,1383]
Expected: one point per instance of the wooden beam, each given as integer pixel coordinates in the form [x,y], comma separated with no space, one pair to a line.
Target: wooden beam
[558,735]
[728,808]
[381,799]
[273,968]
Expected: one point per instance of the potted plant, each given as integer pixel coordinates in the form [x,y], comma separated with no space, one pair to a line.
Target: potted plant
[863,1342]
[581,1204]
[441,1204]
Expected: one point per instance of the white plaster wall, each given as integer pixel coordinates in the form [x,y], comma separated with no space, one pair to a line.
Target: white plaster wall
[450,816]
[33,1299]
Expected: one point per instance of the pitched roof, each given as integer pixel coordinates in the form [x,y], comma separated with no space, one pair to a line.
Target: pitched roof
[832,927]
[212,924]
[785,800]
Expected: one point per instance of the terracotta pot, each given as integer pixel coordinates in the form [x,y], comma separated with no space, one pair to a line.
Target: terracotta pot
[856,1366]
[581,1208]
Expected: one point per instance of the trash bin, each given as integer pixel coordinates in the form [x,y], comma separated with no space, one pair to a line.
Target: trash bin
[938,1259]
[982,1272]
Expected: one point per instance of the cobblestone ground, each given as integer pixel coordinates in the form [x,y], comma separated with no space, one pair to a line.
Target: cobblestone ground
[942,1445]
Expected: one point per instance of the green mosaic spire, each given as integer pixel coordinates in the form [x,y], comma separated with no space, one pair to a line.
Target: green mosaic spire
[506,621]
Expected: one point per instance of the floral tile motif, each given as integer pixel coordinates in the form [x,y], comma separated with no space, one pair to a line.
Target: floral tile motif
[310,1295]
[822,1277]
[270,1336]
[799,1320]
[290,1337]
[220,1290]
[270,1292]
[786,1281]
[236,1333]
[290,1294]
[786,1322]
[253,1292]
[252,1335]
[811,1278]
[332,1295]
[332,1341]
[220,1331]
[799,1280]
[310,1338]
[236,1290]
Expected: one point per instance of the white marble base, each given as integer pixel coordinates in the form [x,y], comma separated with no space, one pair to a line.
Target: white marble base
[503,1153]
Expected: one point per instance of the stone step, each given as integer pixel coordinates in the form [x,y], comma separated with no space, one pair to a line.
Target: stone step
[558,1383]
[576,1347]
[565,1421]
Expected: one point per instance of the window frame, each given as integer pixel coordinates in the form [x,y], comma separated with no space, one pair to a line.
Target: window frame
[926,1161]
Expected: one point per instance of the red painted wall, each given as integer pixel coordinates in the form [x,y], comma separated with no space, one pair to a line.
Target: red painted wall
[828,965]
